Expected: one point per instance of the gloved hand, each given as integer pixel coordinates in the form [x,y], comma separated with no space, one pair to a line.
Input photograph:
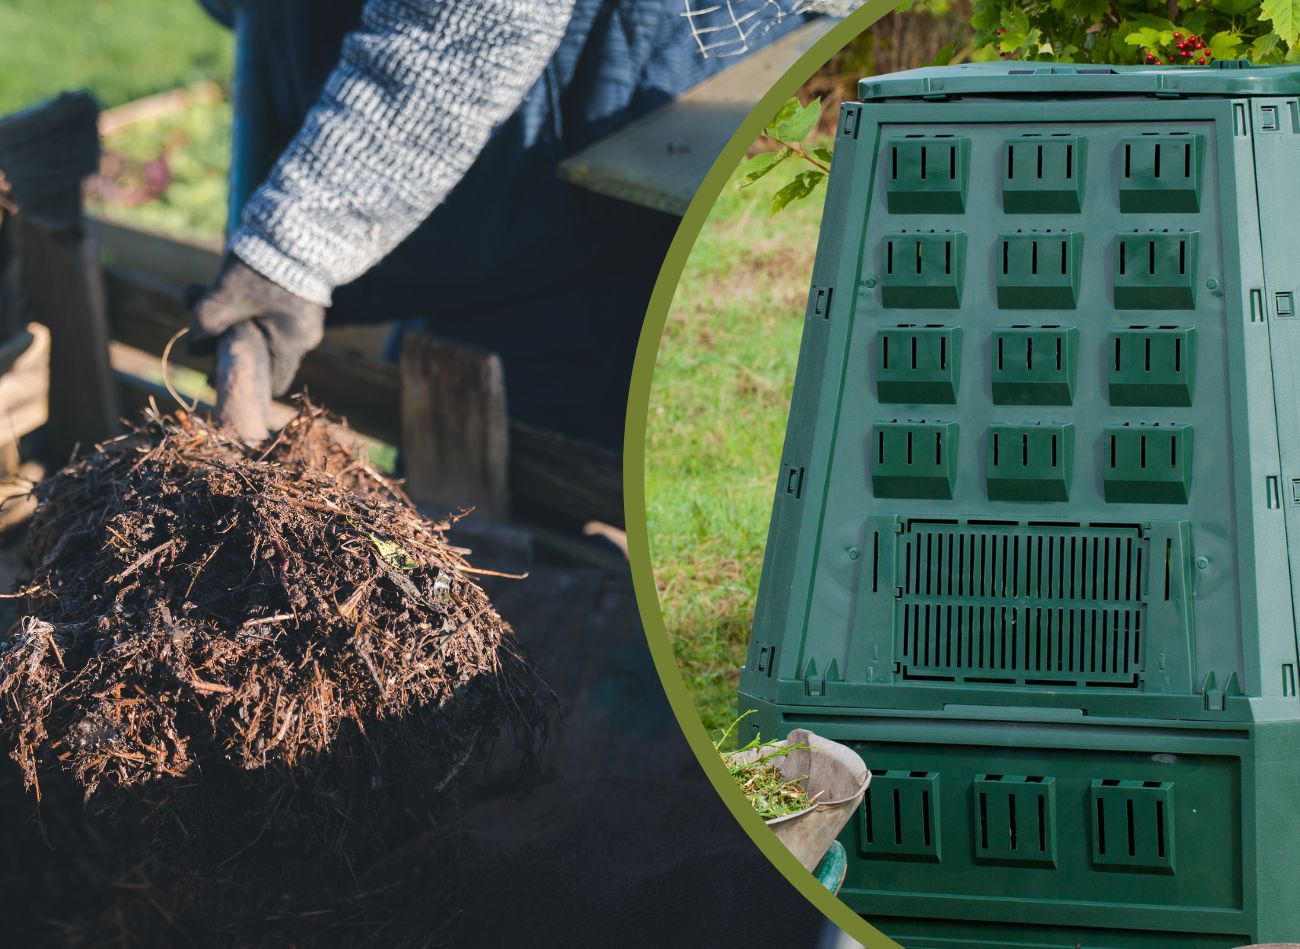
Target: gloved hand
[252,366]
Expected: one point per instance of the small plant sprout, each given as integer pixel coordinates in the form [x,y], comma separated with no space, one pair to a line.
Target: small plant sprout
[788,131]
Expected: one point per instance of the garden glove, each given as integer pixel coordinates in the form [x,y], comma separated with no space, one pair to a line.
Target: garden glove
[252,366]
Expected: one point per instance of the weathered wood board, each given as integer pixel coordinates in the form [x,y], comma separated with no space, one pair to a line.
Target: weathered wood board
[455,430]
[660,159]
[24,383]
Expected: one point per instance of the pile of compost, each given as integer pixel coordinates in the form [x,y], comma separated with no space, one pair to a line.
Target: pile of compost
[263,662]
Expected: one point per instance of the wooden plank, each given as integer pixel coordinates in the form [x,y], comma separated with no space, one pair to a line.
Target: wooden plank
[61,278]
[160,105]
[660,159]
[455,433]
[167,260]
[25,384]
[12,306]
[564,474]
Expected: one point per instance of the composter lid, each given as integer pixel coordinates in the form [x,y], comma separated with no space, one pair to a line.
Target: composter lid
[1223,78]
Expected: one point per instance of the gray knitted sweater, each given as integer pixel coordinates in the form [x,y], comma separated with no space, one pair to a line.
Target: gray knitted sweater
[419,89]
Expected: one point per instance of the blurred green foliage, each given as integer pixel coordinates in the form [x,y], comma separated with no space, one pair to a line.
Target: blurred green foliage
[1155,32]
[118,49]
[168,174]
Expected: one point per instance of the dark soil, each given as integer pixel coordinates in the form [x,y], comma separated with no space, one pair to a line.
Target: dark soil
[264,664]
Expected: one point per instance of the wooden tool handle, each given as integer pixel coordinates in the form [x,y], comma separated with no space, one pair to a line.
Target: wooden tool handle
[244,383]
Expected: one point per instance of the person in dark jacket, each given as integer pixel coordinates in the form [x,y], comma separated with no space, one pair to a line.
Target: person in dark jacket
[396,160]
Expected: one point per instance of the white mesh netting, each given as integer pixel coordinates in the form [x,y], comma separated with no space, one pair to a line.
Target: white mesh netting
[729,27]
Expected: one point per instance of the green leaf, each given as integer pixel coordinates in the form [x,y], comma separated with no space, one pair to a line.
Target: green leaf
[801,186]
[1088,12]
[394,554]
[783,115]
[1016,30]
[1265,49]
[822,154]
[1149,37]
[944,56]
[1015,19]
[986,15]
[761,164]
[1224,45]
[1285,17]
[1235,7]
[796,127]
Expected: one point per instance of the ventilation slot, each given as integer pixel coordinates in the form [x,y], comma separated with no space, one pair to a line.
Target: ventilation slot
[928,175]
[1015,819]
[899,817]
[1021,605]
[1133,825]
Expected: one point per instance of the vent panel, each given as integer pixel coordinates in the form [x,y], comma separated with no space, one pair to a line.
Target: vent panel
[928,175]
[1015,605]
[1043,174]
[923,270]
[1015,819]
[1133,825]
[899,816]
[1161,173]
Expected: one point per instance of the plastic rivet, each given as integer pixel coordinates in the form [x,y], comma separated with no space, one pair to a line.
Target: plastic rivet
[869,282]
[1202,563]
[1211,284]
[853,553]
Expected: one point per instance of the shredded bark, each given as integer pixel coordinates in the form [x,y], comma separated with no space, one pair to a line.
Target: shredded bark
[196,600]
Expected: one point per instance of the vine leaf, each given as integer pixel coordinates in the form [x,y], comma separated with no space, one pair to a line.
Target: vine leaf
[796,125]
[1285,17]
[784,114]
[1224,45]
[761,164]
[802,185]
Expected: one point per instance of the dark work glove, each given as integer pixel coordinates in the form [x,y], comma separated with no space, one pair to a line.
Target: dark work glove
[290,324]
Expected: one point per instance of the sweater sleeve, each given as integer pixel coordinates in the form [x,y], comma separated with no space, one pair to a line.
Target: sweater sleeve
[419,88]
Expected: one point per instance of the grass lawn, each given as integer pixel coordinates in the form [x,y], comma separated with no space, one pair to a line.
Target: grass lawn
[718,406]
[118,49]
[167,174]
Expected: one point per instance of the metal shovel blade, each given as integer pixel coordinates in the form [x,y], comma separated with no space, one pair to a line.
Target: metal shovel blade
[833,775]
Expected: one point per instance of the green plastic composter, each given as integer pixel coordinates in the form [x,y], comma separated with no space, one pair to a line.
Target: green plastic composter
[1035,548]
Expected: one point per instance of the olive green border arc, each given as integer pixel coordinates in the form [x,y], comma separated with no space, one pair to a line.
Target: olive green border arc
[634,470]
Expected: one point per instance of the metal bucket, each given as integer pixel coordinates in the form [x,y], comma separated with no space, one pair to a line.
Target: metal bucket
[831,773]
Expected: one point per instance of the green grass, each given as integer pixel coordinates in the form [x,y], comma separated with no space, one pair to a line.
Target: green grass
[119,49]
[717,414]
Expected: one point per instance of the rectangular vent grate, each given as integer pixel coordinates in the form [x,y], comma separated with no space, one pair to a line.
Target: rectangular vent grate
[1021,605]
